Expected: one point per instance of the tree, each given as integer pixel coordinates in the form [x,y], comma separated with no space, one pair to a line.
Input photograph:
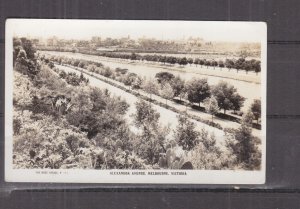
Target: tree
[151,141]
[239,64]
[17,44]
[207,155]
[163,77]
[25,61]
[190,61]
[257,67]
[137,83]
[133,56]
[229,64]
[226,95]
[129,79]
[145,114]
[185,133]
[82,64]
[197,90]
[151,87]
[107,72]
[207,63]
[121,71]
[178,86]
[247,66]
[91,68]
[202,62]
[28,47]
[244,145]
[211,106]
[197,61]
[166,92]
[214,63]
[237,102]
[256,109]
[182,61]
[163,59]
[221,64]
[171,60]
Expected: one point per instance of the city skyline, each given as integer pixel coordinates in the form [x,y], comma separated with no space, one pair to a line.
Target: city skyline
[162,30]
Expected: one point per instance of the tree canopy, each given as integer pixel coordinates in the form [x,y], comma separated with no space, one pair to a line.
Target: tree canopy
[197,90]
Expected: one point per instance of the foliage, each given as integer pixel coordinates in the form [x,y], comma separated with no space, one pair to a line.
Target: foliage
[152,137]
[163,77]
[211,106]
[98,135]
[166,92]
[178,86]
[129,79]
[197,90]
[237,102]
[46,137]
[227,96]
[244,145]
[174,158]
[137,83]
[256,109]
[151,87]
[21,93]
[24,58]
[185,134]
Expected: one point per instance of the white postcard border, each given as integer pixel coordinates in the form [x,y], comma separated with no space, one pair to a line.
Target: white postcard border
[113,176]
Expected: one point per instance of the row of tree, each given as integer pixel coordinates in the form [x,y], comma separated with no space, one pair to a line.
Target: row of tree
[238,64]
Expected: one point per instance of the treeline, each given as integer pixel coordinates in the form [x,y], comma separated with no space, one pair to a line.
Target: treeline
[222,96]
[237,64]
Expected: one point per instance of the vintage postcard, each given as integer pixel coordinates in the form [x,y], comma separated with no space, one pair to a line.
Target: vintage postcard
[115,101]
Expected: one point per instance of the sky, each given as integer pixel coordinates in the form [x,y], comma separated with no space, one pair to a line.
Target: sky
[85,29]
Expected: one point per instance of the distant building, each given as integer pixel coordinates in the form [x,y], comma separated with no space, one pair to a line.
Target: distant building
[52,41]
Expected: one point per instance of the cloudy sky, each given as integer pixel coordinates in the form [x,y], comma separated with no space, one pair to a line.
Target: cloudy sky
[85,29]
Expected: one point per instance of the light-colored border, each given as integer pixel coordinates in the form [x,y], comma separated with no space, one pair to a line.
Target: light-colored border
[106,176]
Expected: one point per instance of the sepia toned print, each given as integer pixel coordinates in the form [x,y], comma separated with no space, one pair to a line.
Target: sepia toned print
[135,101]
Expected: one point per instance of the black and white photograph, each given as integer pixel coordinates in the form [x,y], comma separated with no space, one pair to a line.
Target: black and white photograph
[135,101]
